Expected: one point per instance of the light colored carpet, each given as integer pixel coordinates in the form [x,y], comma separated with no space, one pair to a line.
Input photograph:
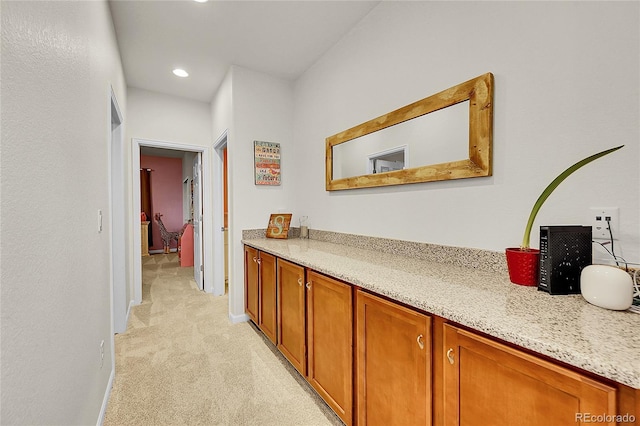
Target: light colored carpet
[181,362]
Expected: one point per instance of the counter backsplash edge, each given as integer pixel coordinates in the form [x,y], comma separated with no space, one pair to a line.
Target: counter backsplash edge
[483,260]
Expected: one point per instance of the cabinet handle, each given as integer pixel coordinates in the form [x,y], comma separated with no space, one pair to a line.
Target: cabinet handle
[308,286]
[450,356]
[259,261]
[255,259]
[300,282]
[420,342]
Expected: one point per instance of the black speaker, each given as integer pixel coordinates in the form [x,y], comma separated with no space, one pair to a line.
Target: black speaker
[564,252]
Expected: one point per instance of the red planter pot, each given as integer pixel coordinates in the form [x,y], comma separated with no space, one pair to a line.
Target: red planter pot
[523,266]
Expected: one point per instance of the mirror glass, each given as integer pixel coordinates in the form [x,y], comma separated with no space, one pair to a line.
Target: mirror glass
[445,136]
[438,137]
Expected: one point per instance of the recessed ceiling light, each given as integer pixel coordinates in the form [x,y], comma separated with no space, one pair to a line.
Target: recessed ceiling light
[180,72]
[201,1]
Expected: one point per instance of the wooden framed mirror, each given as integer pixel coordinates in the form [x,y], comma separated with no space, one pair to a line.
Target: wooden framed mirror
[445,136]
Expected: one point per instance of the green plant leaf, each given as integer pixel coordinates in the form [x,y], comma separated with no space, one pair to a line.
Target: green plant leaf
[552,186]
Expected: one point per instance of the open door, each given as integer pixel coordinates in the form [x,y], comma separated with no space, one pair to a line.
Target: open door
[225,189]
[220,194]
[197,221]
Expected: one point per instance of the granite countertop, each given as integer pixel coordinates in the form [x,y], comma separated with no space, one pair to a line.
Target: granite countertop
[565,328]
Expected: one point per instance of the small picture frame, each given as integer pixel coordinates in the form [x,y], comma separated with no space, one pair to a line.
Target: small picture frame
[279,225]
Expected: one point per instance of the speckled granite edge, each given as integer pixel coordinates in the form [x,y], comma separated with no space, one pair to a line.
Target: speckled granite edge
[255,234]
[483,260]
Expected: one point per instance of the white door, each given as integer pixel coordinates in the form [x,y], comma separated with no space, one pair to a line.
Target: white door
[197,221]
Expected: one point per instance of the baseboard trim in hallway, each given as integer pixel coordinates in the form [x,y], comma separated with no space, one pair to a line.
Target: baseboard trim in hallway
[235,319]
[105,400]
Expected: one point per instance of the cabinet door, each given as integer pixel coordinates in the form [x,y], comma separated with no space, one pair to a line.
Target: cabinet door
[488,383]
[330,342]
[251,278]
[267,296]
[393,366]
[291,314]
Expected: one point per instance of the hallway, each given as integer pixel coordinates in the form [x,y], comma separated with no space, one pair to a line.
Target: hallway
[181,362]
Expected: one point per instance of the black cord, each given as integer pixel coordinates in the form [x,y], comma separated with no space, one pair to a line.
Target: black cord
[613,253]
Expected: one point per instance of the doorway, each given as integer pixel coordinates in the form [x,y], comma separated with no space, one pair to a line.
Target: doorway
[206,231]
[119,308]
[221,224]
[197,221]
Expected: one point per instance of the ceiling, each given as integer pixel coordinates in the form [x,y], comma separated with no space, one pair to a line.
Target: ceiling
[280,38]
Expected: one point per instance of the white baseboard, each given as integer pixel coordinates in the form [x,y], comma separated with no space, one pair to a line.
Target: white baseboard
[131,304]
[238,318]
[105,400]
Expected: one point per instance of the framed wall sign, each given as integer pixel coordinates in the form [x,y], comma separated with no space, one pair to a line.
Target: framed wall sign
[267,162]
[279,225]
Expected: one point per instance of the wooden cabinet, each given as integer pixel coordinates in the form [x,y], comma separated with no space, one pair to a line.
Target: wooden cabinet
[393,364]
[291,314]
[489,383]
[315,332]
[330,342]
[399,366]
[260,290]
[267,318]
[251,283]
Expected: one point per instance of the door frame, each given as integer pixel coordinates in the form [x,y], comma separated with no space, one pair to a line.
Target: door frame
[218,217]
[207,231]
[196,167]
[118,217]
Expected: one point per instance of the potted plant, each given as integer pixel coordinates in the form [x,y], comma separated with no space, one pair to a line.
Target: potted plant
[523,262]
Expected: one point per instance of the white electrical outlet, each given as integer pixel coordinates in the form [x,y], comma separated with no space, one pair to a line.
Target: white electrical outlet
[600,218]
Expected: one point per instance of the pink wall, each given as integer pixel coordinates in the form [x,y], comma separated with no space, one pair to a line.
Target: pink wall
[166,194]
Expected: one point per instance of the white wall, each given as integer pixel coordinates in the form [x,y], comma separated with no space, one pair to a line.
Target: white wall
[222,125]
[222,107]
[566,86]
[261,109]
[159,117]
[168,118]
[58,61]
